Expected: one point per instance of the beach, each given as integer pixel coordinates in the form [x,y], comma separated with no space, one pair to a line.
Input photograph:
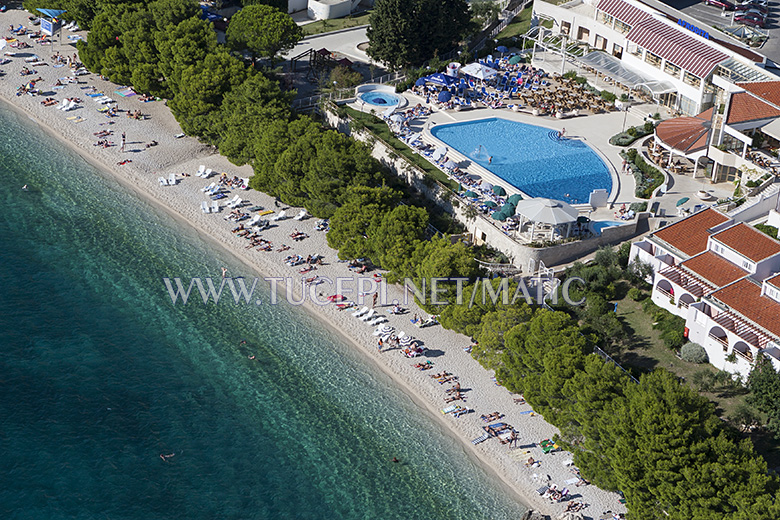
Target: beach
[172,155]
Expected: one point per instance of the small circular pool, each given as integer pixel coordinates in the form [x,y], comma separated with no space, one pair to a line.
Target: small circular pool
[379,98]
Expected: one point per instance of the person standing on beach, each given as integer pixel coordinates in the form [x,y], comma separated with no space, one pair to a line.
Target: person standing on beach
[122,149]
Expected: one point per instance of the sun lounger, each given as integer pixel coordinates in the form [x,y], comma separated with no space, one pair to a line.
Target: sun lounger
[204,207]
[280,216]
[209,187]
[301,215]
[253,221]
[377,321]
[360,312]
[207,173]
[232,201]
[162,181]
[236,203]
[368,316]
[200,171]
[215,207]
[172,179]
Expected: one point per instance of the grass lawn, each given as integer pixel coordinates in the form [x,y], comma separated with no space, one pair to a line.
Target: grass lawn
[520,25]
[323,26]
[380,129]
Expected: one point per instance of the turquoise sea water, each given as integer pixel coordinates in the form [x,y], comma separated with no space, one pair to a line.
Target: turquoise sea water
[531,158]
[100,374]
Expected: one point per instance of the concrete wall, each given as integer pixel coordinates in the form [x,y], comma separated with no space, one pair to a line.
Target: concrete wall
[329,10]
[293,6]
[758,207]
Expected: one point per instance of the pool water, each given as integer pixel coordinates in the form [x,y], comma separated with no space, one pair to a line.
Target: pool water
[598,225]
[380,99]
[531,158]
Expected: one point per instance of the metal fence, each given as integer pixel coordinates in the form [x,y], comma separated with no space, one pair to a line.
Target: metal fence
[608,359]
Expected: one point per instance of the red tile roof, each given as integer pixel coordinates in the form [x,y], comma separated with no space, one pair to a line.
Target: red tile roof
[748,241]
[774,280]
[685,134]
[745,298]
[623,11]
[672,43]
[768,90]
[747,107]
[714,268]
[690,234]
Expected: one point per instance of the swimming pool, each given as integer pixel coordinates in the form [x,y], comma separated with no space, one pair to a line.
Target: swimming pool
[531,158]
[598,225]
[379,98]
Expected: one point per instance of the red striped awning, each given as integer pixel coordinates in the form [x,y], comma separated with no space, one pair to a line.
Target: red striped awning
[675,46]
[623,11]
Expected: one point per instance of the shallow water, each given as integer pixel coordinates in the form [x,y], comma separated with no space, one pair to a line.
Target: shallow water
[100,374]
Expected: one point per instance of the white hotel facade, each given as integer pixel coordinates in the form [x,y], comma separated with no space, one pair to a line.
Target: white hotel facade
[681,62]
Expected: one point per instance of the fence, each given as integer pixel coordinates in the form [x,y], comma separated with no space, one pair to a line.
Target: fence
[608,359]
[501,24]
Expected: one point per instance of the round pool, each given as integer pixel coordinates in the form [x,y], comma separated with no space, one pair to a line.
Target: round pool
[379,98]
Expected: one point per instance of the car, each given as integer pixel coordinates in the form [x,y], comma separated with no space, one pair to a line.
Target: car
[723,4]
[753,8]
[750,20]
[762,3]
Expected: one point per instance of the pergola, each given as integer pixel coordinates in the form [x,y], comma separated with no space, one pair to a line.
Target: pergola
[549,215]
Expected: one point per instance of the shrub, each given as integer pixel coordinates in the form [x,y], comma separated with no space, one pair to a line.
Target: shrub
[636,295]
[638,207]
[769,230]
[631,131]
[751,184]
[694,353]
[649,127]
[609,97]
[624,97]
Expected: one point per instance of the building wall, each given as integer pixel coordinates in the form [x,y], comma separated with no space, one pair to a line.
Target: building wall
[329,10]
[699,325]
[293,6]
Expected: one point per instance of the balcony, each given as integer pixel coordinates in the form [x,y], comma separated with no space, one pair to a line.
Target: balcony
[665,293]
[683,304]
[748,355]
[723,340]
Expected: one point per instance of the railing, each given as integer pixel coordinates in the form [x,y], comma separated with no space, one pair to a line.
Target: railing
[745,355]
[500,25]
[722,340]
[345,93]
[608,358]
[683,305]
[665,293]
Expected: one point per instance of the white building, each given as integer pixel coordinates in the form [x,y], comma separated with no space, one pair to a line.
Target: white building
[651,46]
[723,278]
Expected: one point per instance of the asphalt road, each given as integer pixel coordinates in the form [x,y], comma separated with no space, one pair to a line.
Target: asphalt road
[713,16]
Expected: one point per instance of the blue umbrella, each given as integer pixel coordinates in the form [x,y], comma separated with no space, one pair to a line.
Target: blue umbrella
[420,82]
[445,96]
[441,79]
[502,49]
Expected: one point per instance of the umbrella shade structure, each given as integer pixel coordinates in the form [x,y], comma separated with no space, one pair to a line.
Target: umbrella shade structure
[514,60]
[441,79]
[389,111]
[547,211]
[499,190]
[491,204]
[508,209]
[397,118]
[477,70]
[450,164]
[470,194]
[445,96]
[514,198]
[502,49]
[682,201]
[420,82]
[439,152]
[499,215]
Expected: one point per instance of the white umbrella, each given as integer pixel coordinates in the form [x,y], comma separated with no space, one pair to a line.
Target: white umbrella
[478,70]
[439,152]
[547,211]
[397,118]
[389,111]
[450,164]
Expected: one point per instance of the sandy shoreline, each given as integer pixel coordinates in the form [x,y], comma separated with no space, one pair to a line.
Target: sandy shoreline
[172,155]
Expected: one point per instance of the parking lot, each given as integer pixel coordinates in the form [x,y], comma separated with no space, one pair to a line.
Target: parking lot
[715,16]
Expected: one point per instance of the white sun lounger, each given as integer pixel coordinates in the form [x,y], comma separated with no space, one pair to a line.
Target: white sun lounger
[207,173]
[280,216]
[209,187]
[201,169]
[162,181]
[172,179]
[237,203]
[377,321]
[368,316]
[360,312]
[65,104]
[204,207]
[301,215]
[253,221]
[215,207]
[232,201]
[73,105]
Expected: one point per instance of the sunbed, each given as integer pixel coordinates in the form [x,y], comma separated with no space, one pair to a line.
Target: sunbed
[368,316]
[200,171]
[204,207]
[360,312]
[280,216]
[172,179]
[209,187]
[162,181]
[215,207]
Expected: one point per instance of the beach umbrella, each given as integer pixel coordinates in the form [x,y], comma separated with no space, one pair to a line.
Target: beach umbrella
[420,82]
[499,215]
[486,186]
[508,209]
[470,194]
[477,70]
[445,96]
[397,118]
[514,60]
[514,198]
[440,79]
[389,111]
[439,152]
[547,211]
[491,204]
[502,49]
[450,164]
[682,201]
[498,190]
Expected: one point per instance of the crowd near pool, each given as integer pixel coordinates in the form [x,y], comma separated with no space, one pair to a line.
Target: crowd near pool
[535,160]
[380,99]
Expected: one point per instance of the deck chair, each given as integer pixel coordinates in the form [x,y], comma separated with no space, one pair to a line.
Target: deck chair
[301,215]
[232,201]
[361,312]
[253,221]
[207,173]
[368,316]
[377,321]
[162,181]
[200,171]
[204,207]
[172,179]
[215,207]
[209,187]
[280,216]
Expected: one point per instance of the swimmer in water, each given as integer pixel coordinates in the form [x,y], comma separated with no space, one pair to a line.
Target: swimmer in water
[166,457]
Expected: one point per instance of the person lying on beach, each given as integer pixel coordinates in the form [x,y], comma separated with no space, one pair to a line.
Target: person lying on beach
[150,144]
[120,163]
[284,247]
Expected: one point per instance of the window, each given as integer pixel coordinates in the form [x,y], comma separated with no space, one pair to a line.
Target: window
[688,106]
[672,69]
[583,34]
[636,51]
[605,18]
[617,51]
[691,80]
[600,43]
[653,59]
[566,28]
[621,27]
